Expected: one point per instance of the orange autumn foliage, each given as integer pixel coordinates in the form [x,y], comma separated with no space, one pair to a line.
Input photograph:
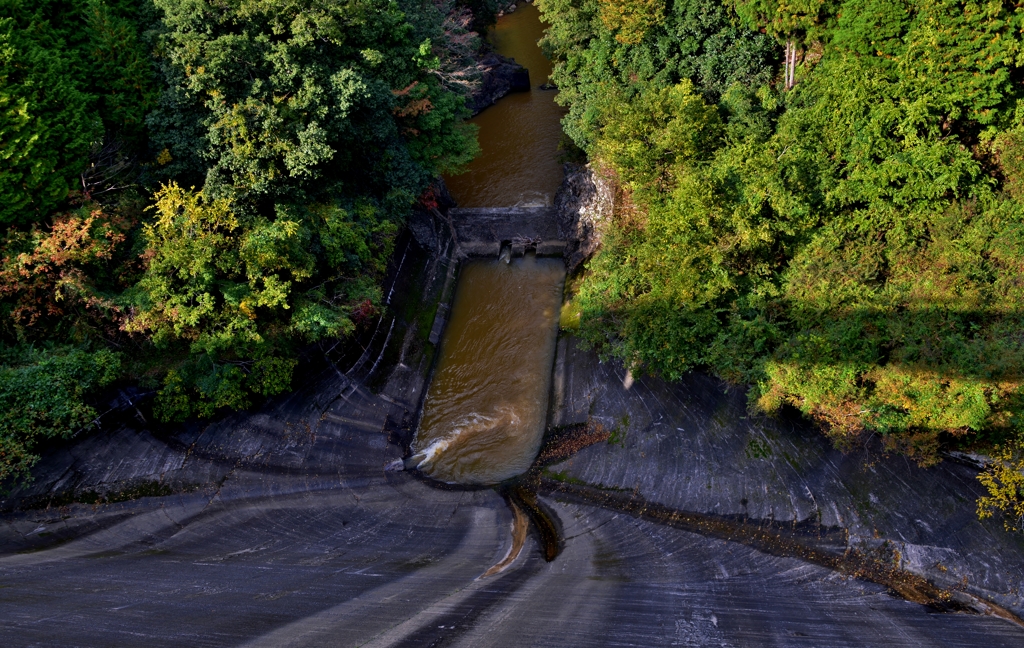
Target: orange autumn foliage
[47,273]
[416,102]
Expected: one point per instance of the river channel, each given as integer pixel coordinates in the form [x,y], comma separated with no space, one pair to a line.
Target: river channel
[519,135]
[484,416]
[485,411]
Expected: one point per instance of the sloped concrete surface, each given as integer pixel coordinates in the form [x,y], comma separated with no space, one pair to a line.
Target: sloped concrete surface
[693,446]
[286,528]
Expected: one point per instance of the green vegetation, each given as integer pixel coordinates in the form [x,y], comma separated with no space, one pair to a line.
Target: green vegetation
[821,199]
[758,449]
[853,246]
[192,190]
[1004,481]
[618,434]
[71,69]
[41,394]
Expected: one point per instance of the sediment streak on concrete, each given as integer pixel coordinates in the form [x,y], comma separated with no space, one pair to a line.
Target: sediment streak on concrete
[288,531]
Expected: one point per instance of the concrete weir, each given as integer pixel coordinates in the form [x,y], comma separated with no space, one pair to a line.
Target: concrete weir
[285,526]
[480,232]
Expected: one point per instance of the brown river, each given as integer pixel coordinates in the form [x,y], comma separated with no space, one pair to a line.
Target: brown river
[486,407]
[485,411]
[518,163]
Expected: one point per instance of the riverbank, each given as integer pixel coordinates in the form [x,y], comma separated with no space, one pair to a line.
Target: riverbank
[294,533]
[676,517]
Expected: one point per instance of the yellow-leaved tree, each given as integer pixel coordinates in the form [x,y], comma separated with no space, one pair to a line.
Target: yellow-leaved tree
[1004,481]
[631,19]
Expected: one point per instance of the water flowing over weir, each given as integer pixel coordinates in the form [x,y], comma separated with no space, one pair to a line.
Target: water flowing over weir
[485,410]
[684,520]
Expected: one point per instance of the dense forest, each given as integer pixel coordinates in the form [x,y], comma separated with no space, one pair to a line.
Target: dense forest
[821,199]
[191,190]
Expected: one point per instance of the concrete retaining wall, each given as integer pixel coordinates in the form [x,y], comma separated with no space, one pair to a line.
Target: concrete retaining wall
[481,232]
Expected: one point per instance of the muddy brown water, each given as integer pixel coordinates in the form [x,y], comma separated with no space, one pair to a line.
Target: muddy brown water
[485,410]
[519,135]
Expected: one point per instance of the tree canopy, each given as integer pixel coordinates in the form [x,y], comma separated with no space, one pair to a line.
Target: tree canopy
[195,189]
[852,247]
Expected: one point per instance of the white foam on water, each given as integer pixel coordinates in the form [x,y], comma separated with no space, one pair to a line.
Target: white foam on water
[424,458]
[534,199]
[471,425]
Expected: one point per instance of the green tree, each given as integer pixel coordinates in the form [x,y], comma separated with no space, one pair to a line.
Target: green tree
[850,247]
[697,40]
[293,101]
[312,127]
[240,291]
[802,20]
[46,123]
[42,392]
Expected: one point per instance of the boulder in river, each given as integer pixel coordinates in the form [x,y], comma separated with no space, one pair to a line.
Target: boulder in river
[499,76]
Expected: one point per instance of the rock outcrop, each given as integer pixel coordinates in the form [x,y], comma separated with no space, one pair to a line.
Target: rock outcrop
[499,76]
[695,447]
[423,218]
[583,204]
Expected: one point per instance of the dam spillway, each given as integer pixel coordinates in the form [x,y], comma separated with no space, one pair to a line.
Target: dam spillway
[484,413]
[282,527]
[485,410]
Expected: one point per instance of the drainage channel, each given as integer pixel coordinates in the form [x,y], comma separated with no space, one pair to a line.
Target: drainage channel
[484,414]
